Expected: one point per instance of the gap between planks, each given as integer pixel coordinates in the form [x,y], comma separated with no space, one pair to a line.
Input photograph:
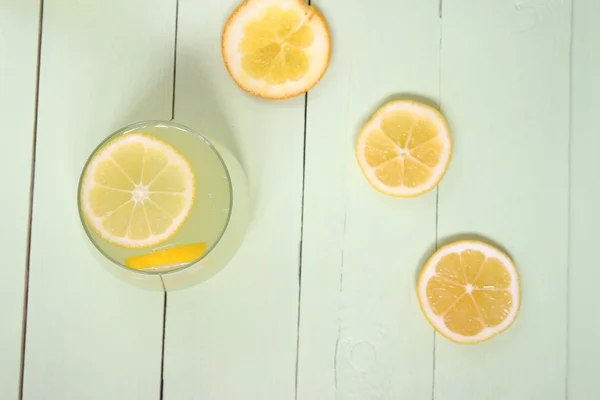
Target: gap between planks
[569,188]
[300,245]
[437,189]
[30,218]
[300,249]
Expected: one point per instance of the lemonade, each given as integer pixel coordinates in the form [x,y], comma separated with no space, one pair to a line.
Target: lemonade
[157,199]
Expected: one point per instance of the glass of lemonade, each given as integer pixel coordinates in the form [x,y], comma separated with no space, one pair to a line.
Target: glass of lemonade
[167,206]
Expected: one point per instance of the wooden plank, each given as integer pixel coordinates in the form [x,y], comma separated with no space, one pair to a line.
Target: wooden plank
[362,334]
[584,320]
[90,336]
[18,70]
[234,336]
[505,91]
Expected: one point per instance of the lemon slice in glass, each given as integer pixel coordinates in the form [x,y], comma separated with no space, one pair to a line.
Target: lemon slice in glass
[137,191]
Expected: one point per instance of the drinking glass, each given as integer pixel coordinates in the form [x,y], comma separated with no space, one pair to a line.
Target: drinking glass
[217,220]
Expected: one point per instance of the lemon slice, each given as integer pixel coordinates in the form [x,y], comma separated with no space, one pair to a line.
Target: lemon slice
[137,191]
[469,291]
[404,149]
[276,49]
[169,257]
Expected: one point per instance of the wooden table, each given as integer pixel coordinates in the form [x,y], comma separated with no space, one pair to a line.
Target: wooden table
[319,303]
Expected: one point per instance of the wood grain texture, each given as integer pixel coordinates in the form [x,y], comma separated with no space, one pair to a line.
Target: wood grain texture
[90,336]
[584,319]
[362,335]
[19,23]
[234,336]
[505,91]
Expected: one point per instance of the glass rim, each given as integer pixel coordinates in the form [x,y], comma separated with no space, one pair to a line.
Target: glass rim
[123,130]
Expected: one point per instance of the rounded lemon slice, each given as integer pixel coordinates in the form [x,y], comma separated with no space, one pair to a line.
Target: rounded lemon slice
[469,291]
[137,191]
[404,149]
[276,48]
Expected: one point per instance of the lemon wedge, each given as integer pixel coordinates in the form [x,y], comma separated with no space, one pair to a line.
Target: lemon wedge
[168,257]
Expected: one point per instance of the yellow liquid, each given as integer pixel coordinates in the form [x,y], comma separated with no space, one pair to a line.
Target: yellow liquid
[218,178]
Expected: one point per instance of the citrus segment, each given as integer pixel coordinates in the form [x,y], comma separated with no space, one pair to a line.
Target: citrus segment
[159,221]
[379,149]
[153,162]
[415,173]
[115,224]
[104,200]
[170,203]
[423,130]
[449,267]
[493,274]
[137,191]
[168,257]
[138,225]
[404,149]
[391,172]
[463,317]
[109,174]
[397,125]
[493,305]
[429,153]
[442,295]
[469,291]
[471,262]
[276,48]
[130,159]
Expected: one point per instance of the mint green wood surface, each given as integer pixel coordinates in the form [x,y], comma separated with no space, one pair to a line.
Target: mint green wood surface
[362,335]
[505,90]
[234,336]
[90,336]
[518,82]
[584,318]
[18,64]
